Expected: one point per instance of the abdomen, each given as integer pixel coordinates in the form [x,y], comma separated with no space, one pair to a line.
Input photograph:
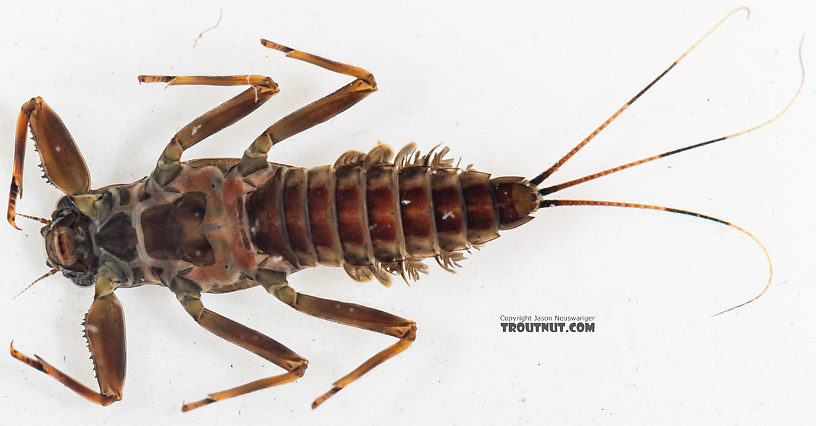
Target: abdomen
[377,218]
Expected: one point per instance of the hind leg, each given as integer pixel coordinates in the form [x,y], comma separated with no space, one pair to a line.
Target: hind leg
[348,314]
[313,114]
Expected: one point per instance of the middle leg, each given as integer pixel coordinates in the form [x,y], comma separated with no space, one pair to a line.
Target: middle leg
[262,88]
[189,294]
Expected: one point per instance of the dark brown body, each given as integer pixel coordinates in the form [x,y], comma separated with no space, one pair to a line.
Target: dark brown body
[374,218]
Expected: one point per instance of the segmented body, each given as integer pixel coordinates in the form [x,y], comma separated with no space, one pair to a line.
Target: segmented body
[374,217]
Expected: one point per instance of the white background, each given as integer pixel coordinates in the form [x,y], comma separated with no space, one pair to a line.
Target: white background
[510,87]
